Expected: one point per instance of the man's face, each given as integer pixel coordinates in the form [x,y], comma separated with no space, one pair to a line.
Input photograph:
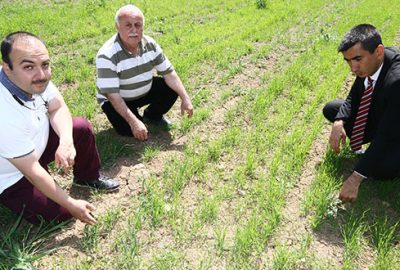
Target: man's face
[31,65]
[130,29]
[363,63]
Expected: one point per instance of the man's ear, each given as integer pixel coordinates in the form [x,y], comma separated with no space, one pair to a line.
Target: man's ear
[6,67]
[380,50]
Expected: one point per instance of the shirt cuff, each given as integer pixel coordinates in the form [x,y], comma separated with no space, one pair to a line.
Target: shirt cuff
[359,174]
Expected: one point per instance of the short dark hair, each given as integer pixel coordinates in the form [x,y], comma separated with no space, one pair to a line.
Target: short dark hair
[364,33]
[7,43]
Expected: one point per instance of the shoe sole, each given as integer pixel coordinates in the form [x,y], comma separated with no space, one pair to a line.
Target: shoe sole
[99,189]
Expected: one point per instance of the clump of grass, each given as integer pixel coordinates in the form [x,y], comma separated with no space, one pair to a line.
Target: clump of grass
[22,245]
[152,202]
[208,210]
[352,232]
[287,257]
[128,246]
[383,236]
[187,123]
[220,235]
[321,200]
[168,260]
[91,237]
[150,152]
[261,4]
[284,259]
[92,234]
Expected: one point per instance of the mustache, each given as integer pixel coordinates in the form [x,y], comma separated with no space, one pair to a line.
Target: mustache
[39,81]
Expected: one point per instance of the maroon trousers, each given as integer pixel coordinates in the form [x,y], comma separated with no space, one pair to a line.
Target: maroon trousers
[23,197]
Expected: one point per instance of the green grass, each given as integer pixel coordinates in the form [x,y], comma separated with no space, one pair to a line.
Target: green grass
[22,244]
[259,73]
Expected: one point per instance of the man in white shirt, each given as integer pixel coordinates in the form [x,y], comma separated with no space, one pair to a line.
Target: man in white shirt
[36,129]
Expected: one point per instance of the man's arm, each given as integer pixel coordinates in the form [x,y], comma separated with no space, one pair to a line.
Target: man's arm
[346,112]
[29,166]
[61,122]
[338,136]
[174,82]
[139,130]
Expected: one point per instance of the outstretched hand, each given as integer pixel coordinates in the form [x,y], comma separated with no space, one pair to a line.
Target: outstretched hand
[349,190]
[186,106]
[81,210]
[139,130]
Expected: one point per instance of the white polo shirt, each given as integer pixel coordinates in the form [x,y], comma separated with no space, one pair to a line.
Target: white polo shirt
[22,130]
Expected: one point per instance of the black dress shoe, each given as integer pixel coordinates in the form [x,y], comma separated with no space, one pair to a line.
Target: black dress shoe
[102,183]
[164,122]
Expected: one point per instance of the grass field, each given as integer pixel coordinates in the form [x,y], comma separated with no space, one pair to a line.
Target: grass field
[248,182]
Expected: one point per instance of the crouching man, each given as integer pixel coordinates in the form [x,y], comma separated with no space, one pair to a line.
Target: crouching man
[36,129]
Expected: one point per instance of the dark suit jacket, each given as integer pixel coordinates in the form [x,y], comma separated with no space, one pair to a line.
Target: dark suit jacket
[382,158]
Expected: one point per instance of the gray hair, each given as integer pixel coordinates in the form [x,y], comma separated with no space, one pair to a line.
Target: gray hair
[128,8]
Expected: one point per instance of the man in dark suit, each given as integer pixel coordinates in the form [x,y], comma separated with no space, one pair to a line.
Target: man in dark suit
[371,111]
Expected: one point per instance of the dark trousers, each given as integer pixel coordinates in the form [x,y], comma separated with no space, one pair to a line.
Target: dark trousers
[23,197]
[160,99]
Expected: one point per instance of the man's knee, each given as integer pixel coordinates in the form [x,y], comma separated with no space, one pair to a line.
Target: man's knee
[81,126]
[326,112]
[161,86]
[331,109]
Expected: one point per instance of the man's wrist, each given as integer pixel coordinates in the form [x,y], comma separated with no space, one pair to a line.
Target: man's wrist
[134,121]
[356,178]
[66,140]
[339,123]
[184,97]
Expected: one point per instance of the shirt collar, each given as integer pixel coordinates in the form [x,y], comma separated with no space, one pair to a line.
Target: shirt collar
[140,45]
[374,77]
[12,88]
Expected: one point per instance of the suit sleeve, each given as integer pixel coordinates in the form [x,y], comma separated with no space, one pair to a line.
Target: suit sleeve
[346,111]
[387,137]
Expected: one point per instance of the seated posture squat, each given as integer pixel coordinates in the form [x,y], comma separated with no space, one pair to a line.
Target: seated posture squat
[371,111]
[37,128]
[125,81]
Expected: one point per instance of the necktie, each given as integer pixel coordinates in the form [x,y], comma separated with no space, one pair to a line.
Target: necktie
[357,135]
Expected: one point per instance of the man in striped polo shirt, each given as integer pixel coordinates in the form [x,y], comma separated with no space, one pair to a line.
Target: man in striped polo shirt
[125,80]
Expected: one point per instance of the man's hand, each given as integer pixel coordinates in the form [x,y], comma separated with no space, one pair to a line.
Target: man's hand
[139,130]
[81,209]
[186,106]
[349,190]
[338,136]
[65,155]
[174,82]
